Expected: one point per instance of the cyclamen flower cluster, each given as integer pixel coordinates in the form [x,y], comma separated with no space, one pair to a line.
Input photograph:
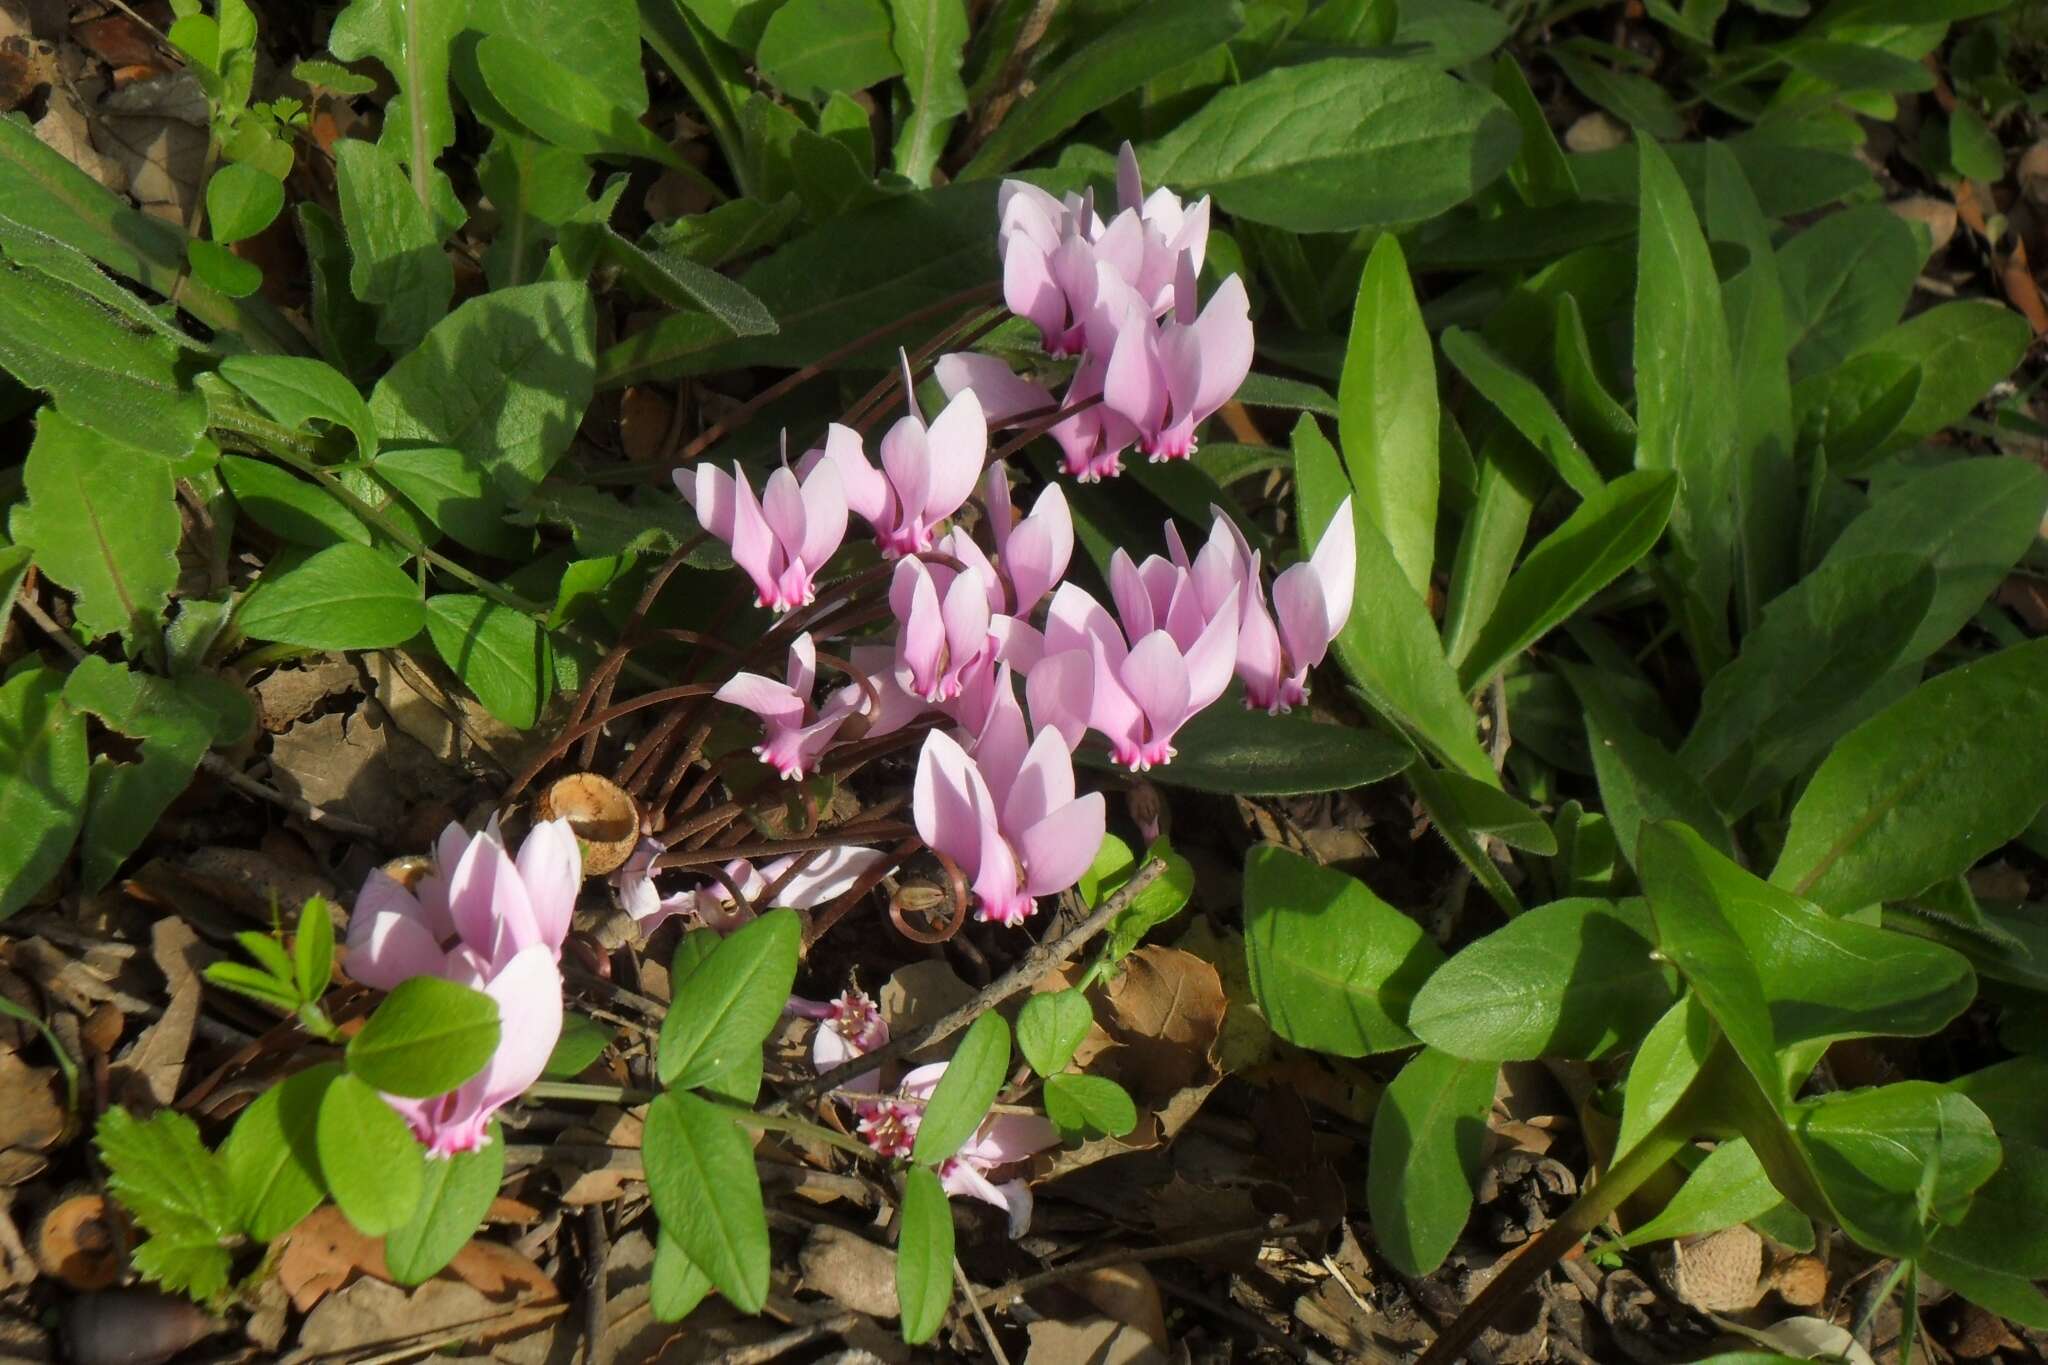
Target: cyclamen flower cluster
[994,792]
[484,921]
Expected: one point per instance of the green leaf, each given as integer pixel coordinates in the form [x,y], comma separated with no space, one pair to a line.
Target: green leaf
[64,264]
[737,228]
[368,1158]
[1154,37]
[1730,1186]
[1954,1260]
[1685,390]
[928,37]
[293,509]
[1575,978]
[924,1256]
[271,1157]
[1884,1155]
[961,1100]
[701,1177]
[1390,646]
[325,75]
[1973,148]
[1343,143]
[1821,644]
[1050,1026]
[677,1285]
[1522,402]
[1542,173]
[241,201]
[500,654]
[2007,1225]
[1334,967]
[1694,934]
[1640,782]
[727,1008]
[671,276]
[1826,978]
[122,385]
[346,327]
[455,1197]
[1428,1134]
[346,597]
[126,799]
[811,48]
[1962,348]
[1609,532]
[313,949]
[1636,100]
[599,38]
[426,1038]
[1087,1106]
[1608,431]
[102,520]
[1665,1066]
[296,391]
[398,265]
[1159,902]
[42,805]
[178,1192]
[1482,808]
[1229,749]
[1919,792]
[1387,414]
[1846,280]
[255,983]
[562,105]
[222,269]
[582,1042]
[504,379]
[457,497]
[412,39]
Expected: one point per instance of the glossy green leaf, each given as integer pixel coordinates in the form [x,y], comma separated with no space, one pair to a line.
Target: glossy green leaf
[1334,967]
[1523,403]
[219,268]
[814,47]
[1608,533]
[727,1007]
[1050,1026]
[293,509]
[313,949]
[1541,172]
[1089,1106]
[1229,749]
[426,1038]
[1884,1154]
[127,798]
[600,38]
[677,1285]
[1428,1135]
[1846,280]
[346,597]
[412,38]
[582,1041]
[1575,978]
[1955,1261]
[1153,37]
[1482,808]
[1729,1186]
[453,1200]
[397,265]
[1390,646]
[1607,430]
[271,1156]
[680,282]
[500,654]
[457,497]
[928,37]
[122,385]
[1921,791]
[701,1177]
[1685,390]
[1342,143]
[1387,414]
[296,391]
[1640,781]
[1667,1063]
[563,105]
[1962,349]
[1636,100]
[959,1103]
[924,1256]
[1165,897]
[345,326]
[369,1159]
[241,201]
[177,1191]
[102,520]
[504,379]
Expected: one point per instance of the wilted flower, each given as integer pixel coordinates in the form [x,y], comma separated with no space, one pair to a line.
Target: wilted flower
[890,1127]
[780,541]
[848,1027]
[489,923]
[799,881]
[795,736]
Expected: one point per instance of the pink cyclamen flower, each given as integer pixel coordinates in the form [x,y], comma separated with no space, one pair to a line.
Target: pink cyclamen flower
[489,923]
[799,881]
[1166,378]
[941,640]
[780,540]
[999,1140]
[1031,839]
[794,735]
[1311,602]
[1031,554]
[927,471]
[848,1027]
[1136,696]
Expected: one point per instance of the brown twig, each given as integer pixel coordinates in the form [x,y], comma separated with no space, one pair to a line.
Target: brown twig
[1017,1289]
[596,1248]
[1037,963]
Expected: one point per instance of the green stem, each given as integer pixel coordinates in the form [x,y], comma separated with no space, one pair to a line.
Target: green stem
[1588,1212]
[581,1090]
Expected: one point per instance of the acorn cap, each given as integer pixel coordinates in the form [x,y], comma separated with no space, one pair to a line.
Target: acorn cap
[603,816]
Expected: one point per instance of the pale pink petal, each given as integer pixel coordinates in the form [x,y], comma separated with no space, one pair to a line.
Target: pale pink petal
[1259,661]
[1012,1196]
[1224,335]
[753,542]
[825,506]
[865,490]
[1127,589]
[1059,848]
[1003,739]
[390,947]
[529,996]
[958,442]
[1302,615]
[1336,567]
[907,464]
[1214,655]
[1156,676]
[820,876]
[1038,550]
[1043,782]
[709,492]
[1061,694]
[551,866]
[765,697]
[947,798]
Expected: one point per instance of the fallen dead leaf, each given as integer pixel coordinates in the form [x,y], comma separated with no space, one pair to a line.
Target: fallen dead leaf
[644,417]
[371,1313]
[850,1270]
[1090,1341]
[921,994]
[148,1077]
[323,1253]
[64,129]
[1127,1293]
[31,1115]
[361,766]
[286,695]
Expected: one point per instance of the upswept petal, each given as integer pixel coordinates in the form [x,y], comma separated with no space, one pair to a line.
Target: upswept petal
[1156,677]
[1061,694]
[708,490]
[958,443]
[529,994]
[1210,661]
[947,799]
[773,701]
[1003,740]
[387,946]
[1059,848]
[1336,566]
[1036,553]
[551,866]
[1303,615]
[1042,783]
[825,507]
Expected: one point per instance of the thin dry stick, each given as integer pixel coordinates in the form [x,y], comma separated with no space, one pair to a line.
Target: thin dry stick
[1029,1284]
[212,762]
[426,1343]
[1036,964]
[1010,82]
[761,1352]
[988,1332]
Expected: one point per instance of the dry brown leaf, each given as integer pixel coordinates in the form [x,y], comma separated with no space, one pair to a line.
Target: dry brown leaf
[1090,1341]
[850,1270]
[323,1253]
[116,40]
[148,1077]
[371,1313]
[357,765]
[286,695]
[1127,1293]
[921,994]
[83,1242]
[501,1274]
[31,1114]
[644,417]
[132,1327]
[64,129]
